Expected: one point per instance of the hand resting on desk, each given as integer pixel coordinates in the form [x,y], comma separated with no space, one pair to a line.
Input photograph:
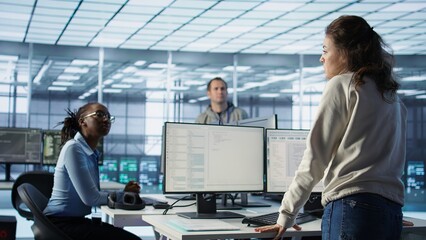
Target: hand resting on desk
[276,228]
[281,230]
[406,223]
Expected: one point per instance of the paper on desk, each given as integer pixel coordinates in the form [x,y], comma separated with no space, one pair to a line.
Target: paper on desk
[202,224]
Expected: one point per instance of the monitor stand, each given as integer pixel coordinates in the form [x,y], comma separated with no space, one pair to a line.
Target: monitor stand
[224,205]
[7,177]
[245,203]
[206,209]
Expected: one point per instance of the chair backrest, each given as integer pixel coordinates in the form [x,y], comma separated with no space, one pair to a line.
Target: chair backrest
[43,228]
[42,180]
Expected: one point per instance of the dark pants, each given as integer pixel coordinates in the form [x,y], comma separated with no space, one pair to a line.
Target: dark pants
[83,228]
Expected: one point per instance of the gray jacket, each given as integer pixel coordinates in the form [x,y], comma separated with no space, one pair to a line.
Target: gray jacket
[231,114]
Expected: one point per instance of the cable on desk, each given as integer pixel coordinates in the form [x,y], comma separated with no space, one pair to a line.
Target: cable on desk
[173,205]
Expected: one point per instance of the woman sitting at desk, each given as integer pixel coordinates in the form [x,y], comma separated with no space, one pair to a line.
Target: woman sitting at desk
[76,180]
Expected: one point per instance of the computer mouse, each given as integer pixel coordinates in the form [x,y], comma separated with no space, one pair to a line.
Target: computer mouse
[161,205]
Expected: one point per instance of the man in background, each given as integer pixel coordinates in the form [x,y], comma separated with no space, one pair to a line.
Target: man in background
[220,110]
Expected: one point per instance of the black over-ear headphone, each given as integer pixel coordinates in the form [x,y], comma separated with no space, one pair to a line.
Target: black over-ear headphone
[126,201]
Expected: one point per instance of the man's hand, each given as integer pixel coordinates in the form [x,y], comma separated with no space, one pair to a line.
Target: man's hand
[276,228]
[132,186]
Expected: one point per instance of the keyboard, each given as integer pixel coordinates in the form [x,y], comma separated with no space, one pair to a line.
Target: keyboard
[150,201]
[271,219]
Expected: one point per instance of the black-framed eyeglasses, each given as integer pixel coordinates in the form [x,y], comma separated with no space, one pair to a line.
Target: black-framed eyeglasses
[100,115]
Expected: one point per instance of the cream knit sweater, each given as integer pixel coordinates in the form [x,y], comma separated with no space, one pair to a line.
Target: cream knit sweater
[356,144]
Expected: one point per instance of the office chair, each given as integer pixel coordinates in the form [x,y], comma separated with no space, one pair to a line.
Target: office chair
[42,180]
[42,228]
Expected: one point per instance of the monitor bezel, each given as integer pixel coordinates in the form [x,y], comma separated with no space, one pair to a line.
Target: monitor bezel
[165,191]
[26,130]
[267,191]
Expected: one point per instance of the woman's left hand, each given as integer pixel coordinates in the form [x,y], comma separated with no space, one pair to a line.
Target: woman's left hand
[132,186]
[276,228]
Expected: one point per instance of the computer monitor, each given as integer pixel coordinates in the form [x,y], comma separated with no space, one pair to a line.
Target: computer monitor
[210,159]
[108,172]
[51,147]
[265,122]
[284,152]
[20,145]
[128,169]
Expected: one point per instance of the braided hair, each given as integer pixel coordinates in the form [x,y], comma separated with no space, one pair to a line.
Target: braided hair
[70,123]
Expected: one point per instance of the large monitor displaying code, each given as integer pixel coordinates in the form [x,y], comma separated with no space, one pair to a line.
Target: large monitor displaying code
[213,158]
[284,152]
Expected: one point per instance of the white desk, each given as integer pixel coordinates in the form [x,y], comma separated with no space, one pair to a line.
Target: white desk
[103,185]
[162,225]
[121,218]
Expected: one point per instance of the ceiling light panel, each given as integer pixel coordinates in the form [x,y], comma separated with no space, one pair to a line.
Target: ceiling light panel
[18,7]
[171,19]
[53,11]
[181,12]
[94,15]
[383,16]
[303,16]
[102,7]
[172,38]
[55,19]
[322,7]
[125,24]
[415,16]
[191,4]
[79,33]
[224,14]
[15,16]
[320,24]
[247,22]
[216,21]
[230,5]
[47,25]
[17,23]
[167,26]
[153,31]
[364,7]
[88,22]
[399,24]
[278,6]
[285,23]
[405,7]
[408,32]
[266,15]
[57,4]
[188,33]
[199,27]
[157,3]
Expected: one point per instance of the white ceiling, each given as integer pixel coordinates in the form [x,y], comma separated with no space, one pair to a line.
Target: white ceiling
[202,36]
[247,26]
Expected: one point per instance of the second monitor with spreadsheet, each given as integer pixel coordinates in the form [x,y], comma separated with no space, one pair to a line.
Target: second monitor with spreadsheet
[212,159]
[284,152]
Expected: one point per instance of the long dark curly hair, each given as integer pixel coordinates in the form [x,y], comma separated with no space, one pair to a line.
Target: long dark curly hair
[366,53]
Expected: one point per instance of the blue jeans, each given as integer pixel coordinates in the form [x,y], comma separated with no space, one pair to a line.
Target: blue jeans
[362,216]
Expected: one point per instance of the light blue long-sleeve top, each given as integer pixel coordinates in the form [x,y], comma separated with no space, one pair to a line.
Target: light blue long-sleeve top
[76,181]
